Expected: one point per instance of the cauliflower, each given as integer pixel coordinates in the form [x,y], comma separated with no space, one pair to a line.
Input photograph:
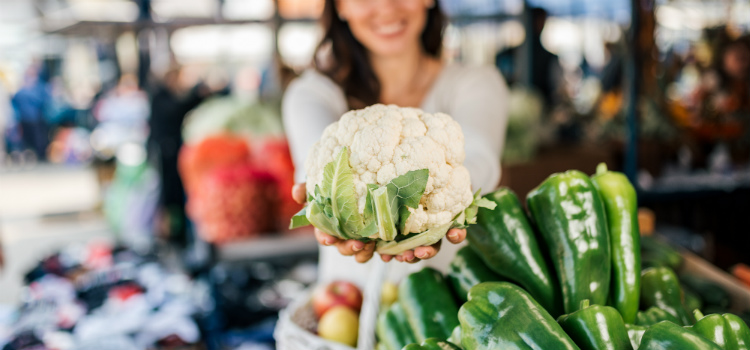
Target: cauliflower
[385,170]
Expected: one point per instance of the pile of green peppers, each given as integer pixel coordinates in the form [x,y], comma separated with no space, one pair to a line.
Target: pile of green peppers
[568,275]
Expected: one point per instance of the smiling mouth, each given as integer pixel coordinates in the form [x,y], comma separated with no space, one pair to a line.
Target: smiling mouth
[390,29]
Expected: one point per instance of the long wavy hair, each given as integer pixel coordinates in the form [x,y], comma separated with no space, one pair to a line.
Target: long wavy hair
[344,59]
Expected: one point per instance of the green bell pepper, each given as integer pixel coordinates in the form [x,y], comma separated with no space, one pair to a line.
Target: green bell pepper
[570,215]
[596,327]
[655,253]
[392,328]
[660,288]
[505,241]
[635,333]
[501,315]
[712,294]
[455,337]
[467,270]
[653,316]
[666,335]
[432,344]
[428,304]
[692,301]
[621,205]
[728,331]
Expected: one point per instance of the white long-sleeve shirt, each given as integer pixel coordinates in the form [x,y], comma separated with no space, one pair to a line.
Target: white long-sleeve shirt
[474,96]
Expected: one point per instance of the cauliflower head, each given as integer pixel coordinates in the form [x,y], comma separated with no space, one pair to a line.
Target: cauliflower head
[385,142]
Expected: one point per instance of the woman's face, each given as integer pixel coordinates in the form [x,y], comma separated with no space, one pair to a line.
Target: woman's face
[386,27]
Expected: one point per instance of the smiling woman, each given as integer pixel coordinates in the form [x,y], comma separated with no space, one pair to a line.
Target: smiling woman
[375,27]
[389,52]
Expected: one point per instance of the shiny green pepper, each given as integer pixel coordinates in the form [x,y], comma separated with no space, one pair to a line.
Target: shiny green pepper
[501,315]
[570,215]
[392,328]
[505,241]
[596,327]
[428,304]
[432,344]
[654,315]
[635,333]
[666,335]
[621,204]
[660,288]
[467,270]
[728,331]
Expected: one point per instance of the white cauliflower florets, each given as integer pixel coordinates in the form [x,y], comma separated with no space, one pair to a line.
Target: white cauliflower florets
[388,141]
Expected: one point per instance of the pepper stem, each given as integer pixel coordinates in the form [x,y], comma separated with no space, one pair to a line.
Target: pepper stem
[601,168]
[698,314]
[585,303]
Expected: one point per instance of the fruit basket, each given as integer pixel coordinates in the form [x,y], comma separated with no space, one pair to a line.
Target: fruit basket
[296,328]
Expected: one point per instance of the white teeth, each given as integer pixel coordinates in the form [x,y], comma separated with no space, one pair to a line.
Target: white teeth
[390,29]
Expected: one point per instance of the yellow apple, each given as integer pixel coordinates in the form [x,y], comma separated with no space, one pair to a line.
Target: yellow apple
[389,294]
[339,324]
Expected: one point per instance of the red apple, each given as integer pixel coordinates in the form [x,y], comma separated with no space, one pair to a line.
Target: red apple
[336,293]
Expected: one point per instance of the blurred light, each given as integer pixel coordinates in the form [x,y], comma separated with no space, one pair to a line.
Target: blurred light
[244,9]
[297,43]
[208,43]
[131,154]
[560,34]
[252,41]
[169,9]
[126,49]
[512,33]
[100,10]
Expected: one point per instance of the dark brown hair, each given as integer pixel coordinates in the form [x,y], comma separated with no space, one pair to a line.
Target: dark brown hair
[345,60]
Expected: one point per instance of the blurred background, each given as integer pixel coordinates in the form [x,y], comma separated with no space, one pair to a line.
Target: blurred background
[145,178]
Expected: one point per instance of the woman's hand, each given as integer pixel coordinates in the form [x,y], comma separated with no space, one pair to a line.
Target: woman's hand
[363,252]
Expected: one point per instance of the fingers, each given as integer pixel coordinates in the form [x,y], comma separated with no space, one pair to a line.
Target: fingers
[425,252]
[350,247]
[386,257]
[366,254]
[299,193]
[456,235]
[324,238]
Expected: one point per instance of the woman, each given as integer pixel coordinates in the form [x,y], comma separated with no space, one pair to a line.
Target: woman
[388,51]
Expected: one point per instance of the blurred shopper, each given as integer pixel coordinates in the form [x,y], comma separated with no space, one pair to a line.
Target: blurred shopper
[122,114]
[390,52]
[29,104]
[170,102]
[545,66]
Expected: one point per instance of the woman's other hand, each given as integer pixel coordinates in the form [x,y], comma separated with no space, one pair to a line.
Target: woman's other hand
[363,252]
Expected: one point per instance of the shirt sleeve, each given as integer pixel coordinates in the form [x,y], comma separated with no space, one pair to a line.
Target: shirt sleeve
[310,104]
[480,107]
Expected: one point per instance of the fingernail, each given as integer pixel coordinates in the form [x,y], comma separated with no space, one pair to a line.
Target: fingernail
[453,235]
[422,255]
[329,241]
[358,246]
[400,258]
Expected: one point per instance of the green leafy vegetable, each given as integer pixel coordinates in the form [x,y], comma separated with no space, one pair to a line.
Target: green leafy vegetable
[339,180]
[299,219]
[385,219]
[425,238]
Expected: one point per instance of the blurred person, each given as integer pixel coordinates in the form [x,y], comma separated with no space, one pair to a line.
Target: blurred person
[545,66]
[170,103]
[29,103]
[122,115]
[389,52]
